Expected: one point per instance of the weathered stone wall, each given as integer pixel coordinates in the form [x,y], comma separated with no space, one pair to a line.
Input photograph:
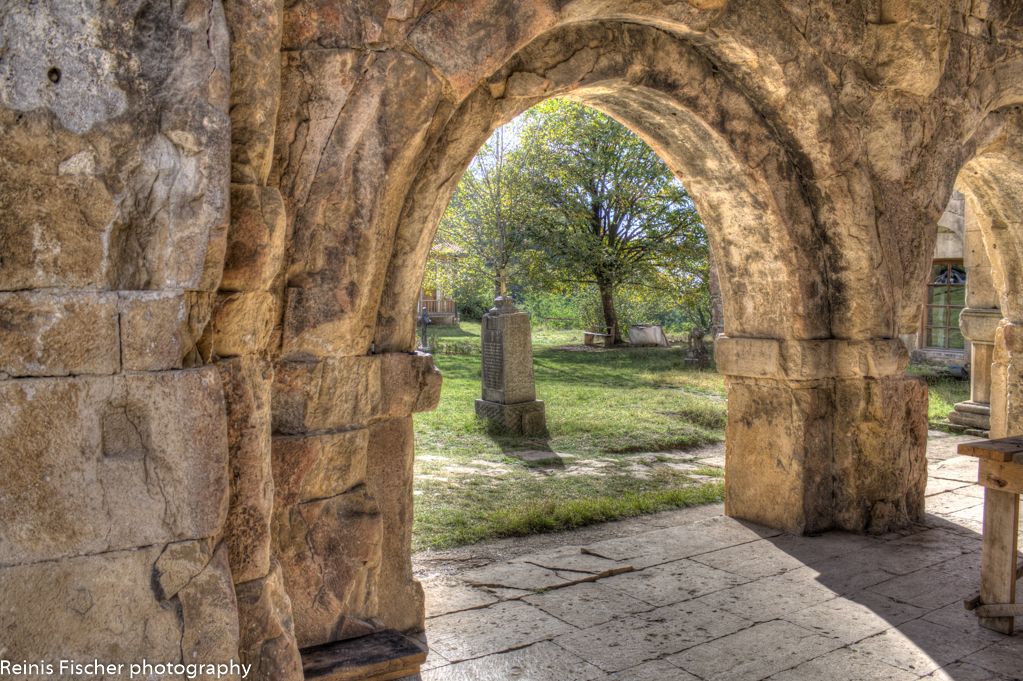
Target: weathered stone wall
[992,184]
[951,229]
[342,466]
[114,453]
[214,223]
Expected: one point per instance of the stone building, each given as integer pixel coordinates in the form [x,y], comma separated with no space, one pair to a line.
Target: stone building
[214,218]
[938,339]
[960,311]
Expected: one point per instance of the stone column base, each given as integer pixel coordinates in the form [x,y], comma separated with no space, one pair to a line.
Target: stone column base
[823,434]
[778,455]
[974,416]
[522,418]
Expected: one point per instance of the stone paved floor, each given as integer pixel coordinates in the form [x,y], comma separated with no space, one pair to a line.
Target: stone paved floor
[695,595]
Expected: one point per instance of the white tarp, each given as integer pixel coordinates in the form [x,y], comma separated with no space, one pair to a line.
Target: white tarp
[643,334]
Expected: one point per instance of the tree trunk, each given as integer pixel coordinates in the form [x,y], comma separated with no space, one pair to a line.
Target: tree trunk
[607,302]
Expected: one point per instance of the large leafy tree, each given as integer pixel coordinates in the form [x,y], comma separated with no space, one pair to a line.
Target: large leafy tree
[567,200]
[604,209]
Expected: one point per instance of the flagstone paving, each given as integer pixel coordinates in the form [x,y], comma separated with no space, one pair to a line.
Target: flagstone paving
[693,595]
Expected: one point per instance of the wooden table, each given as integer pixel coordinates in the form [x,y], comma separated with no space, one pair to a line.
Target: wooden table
[1001,474]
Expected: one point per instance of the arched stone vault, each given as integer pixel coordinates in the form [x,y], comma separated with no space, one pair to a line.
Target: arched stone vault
[760,226]
[204,327]
[992,181]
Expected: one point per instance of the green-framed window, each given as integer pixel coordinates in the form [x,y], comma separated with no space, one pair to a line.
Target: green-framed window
[946,298]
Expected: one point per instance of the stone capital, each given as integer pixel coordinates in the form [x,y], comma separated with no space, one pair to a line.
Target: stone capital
[809,360]
[978,324]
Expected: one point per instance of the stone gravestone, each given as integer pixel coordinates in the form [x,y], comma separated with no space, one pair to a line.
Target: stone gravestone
[509,393]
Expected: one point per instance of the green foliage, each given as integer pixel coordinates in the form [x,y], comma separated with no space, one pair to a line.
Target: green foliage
[658,306]
[554,310]
[472,303]
[582,214]
[480,233]
[606,211]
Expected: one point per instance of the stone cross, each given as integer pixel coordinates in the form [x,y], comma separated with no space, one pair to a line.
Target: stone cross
[502,302]
[502,282]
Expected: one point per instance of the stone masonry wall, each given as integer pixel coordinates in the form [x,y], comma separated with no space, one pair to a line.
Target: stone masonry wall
[214,217]
[992,183]
[114,454]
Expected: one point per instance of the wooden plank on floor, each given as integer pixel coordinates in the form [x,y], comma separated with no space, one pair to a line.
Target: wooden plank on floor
[998,555]
[381,656]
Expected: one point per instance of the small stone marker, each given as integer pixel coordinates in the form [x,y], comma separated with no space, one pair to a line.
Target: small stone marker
[509,392]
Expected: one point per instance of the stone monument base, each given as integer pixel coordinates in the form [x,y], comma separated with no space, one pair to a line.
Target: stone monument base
[522,418]
[974,416]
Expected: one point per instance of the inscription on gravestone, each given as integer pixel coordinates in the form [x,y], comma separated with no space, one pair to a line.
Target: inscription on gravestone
[493,360]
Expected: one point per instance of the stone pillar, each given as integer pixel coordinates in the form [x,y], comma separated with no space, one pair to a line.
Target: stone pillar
[1007,380]
[114,450]
[813,441]
[978,327]
[977,323]
[342,470]
[509,392]
[352,124]
[238,339]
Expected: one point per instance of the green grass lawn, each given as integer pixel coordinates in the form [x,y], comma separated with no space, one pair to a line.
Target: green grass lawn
[607,411]
[622,420]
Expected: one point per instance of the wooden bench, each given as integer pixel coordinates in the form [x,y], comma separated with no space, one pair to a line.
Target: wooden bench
[590,337]
[1001,474]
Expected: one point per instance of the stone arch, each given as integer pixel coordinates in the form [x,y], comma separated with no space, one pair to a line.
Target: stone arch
[295,433]
[760,226]
[992,181]
[810,352]
[754,187]
[872,232]
[813,439]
